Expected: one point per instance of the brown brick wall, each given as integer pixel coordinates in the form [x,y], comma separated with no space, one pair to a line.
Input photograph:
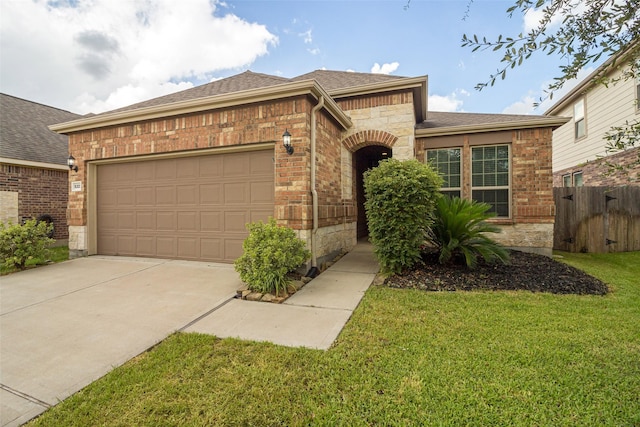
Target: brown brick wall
[531,170]
[249,124]
[40,192]
[596,173]
[369,101]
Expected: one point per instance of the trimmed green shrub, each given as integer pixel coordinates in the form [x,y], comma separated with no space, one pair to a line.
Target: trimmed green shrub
[270,252]
[400,198]
[458,232]
[21,243]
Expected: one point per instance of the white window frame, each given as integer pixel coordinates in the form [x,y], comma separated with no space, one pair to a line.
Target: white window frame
[573,179]
[579,116]
[567,180]
[495,187]
[447,189]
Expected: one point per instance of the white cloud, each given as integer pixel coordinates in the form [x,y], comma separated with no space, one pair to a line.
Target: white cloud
[447,103]
[523,106]
[307,37]
[385,68]
[314,51]
[104,54]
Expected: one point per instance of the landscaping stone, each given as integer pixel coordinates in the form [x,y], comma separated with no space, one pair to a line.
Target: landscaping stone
[268,297]
[254,296]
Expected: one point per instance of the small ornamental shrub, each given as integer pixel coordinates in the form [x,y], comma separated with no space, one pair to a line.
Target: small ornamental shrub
[400,198]
[458,232]
[21,243]
[270,252]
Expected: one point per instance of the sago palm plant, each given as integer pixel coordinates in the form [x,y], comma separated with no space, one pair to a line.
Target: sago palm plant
[458,232]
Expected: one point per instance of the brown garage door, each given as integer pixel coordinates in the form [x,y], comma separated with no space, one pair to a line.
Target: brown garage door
[191,208]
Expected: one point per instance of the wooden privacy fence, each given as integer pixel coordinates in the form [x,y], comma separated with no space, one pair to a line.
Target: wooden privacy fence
[597,219]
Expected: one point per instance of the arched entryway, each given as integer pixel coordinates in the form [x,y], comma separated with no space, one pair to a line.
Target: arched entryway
[364,159]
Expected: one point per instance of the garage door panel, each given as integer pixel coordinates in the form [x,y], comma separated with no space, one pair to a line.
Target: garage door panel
[144,171]
[145,246]
[260,215]
[108,220]
[166,195]
[145,196]
[211,194]
[233,248]
[262,192]
[187,247]
[146,220]
[187,194]
[188,221]
[165,170]
[126,221]
[126,245]
[211,249]
[211,166]
[211,221]
[261,162]
[166,247]
[237,165]
[236,221]
[187,208]
[166,221]
[188,167]
[126,197]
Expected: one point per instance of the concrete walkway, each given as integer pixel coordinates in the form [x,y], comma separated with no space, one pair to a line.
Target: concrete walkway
[313,317]
[64,326]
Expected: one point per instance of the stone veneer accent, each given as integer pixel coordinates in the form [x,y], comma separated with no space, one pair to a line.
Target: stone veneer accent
[536,238]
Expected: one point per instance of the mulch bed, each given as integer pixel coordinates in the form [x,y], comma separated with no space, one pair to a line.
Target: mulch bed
[530,272]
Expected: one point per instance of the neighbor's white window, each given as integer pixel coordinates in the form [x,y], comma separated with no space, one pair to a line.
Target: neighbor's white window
[447,162]
[490,169]
[577,179]
[638,90]
[566,180]
[578,119]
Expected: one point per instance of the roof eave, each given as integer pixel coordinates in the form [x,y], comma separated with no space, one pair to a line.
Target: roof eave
[285,90]
[553,122]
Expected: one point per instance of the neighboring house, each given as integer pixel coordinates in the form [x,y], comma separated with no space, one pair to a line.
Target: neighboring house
[33,164]
[179,176]
[579,147]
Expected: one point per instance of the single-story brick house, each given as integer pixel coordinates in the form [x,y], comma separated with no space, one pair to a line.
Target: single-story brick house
[179,176]
[34,180]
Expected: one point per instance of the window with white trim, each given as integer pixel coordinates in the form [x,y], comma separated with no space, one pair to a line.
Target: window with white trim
[577,179]
[638,90]
[447,161]
[579,123]
[566,180]
[490,168]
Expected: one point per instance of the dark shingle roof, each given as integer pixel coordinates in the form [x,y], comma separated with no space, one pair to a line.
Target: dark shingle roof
[243,81]
[24,132]
[333,80]
[437,119]
[329,80]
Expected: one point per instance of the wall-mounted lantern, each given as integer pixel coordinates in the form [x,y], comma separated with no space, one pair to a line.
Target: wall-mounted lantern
[286,141]
[71,162]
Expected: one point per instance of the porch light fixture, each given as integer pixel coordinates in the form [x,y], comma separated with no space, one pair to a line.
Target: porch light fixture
[71,162]
[286,141]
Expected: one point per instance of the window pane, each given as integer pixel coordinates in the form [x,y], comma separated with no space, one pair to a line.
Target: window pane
[578,110]
[451,193]
[577,179]
[447,162]
[580,129]
[498,199]
[566,181]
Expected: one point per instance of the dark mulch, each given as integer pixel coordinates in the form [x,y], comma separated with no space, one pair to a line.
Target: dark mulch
[530,272]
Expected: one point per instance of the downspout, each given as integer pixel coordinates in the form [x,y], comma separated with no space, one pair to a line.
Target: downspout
[314,192]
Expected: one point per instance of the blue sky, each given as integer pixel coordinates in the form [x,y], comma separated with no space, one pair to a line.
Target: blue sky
[96,55]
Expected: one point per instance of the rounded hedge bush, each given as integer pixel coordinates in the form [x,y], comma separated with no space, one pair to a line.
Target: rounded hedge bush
[400,201]
[270,252]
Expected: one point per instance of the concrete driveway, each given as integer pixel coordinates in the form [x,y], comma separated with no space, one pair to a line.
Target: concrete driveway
[65,325]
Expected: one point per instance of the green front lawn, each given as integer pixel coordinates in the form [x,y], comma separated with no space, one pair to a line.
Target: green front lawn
[56,254]
[407,357]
